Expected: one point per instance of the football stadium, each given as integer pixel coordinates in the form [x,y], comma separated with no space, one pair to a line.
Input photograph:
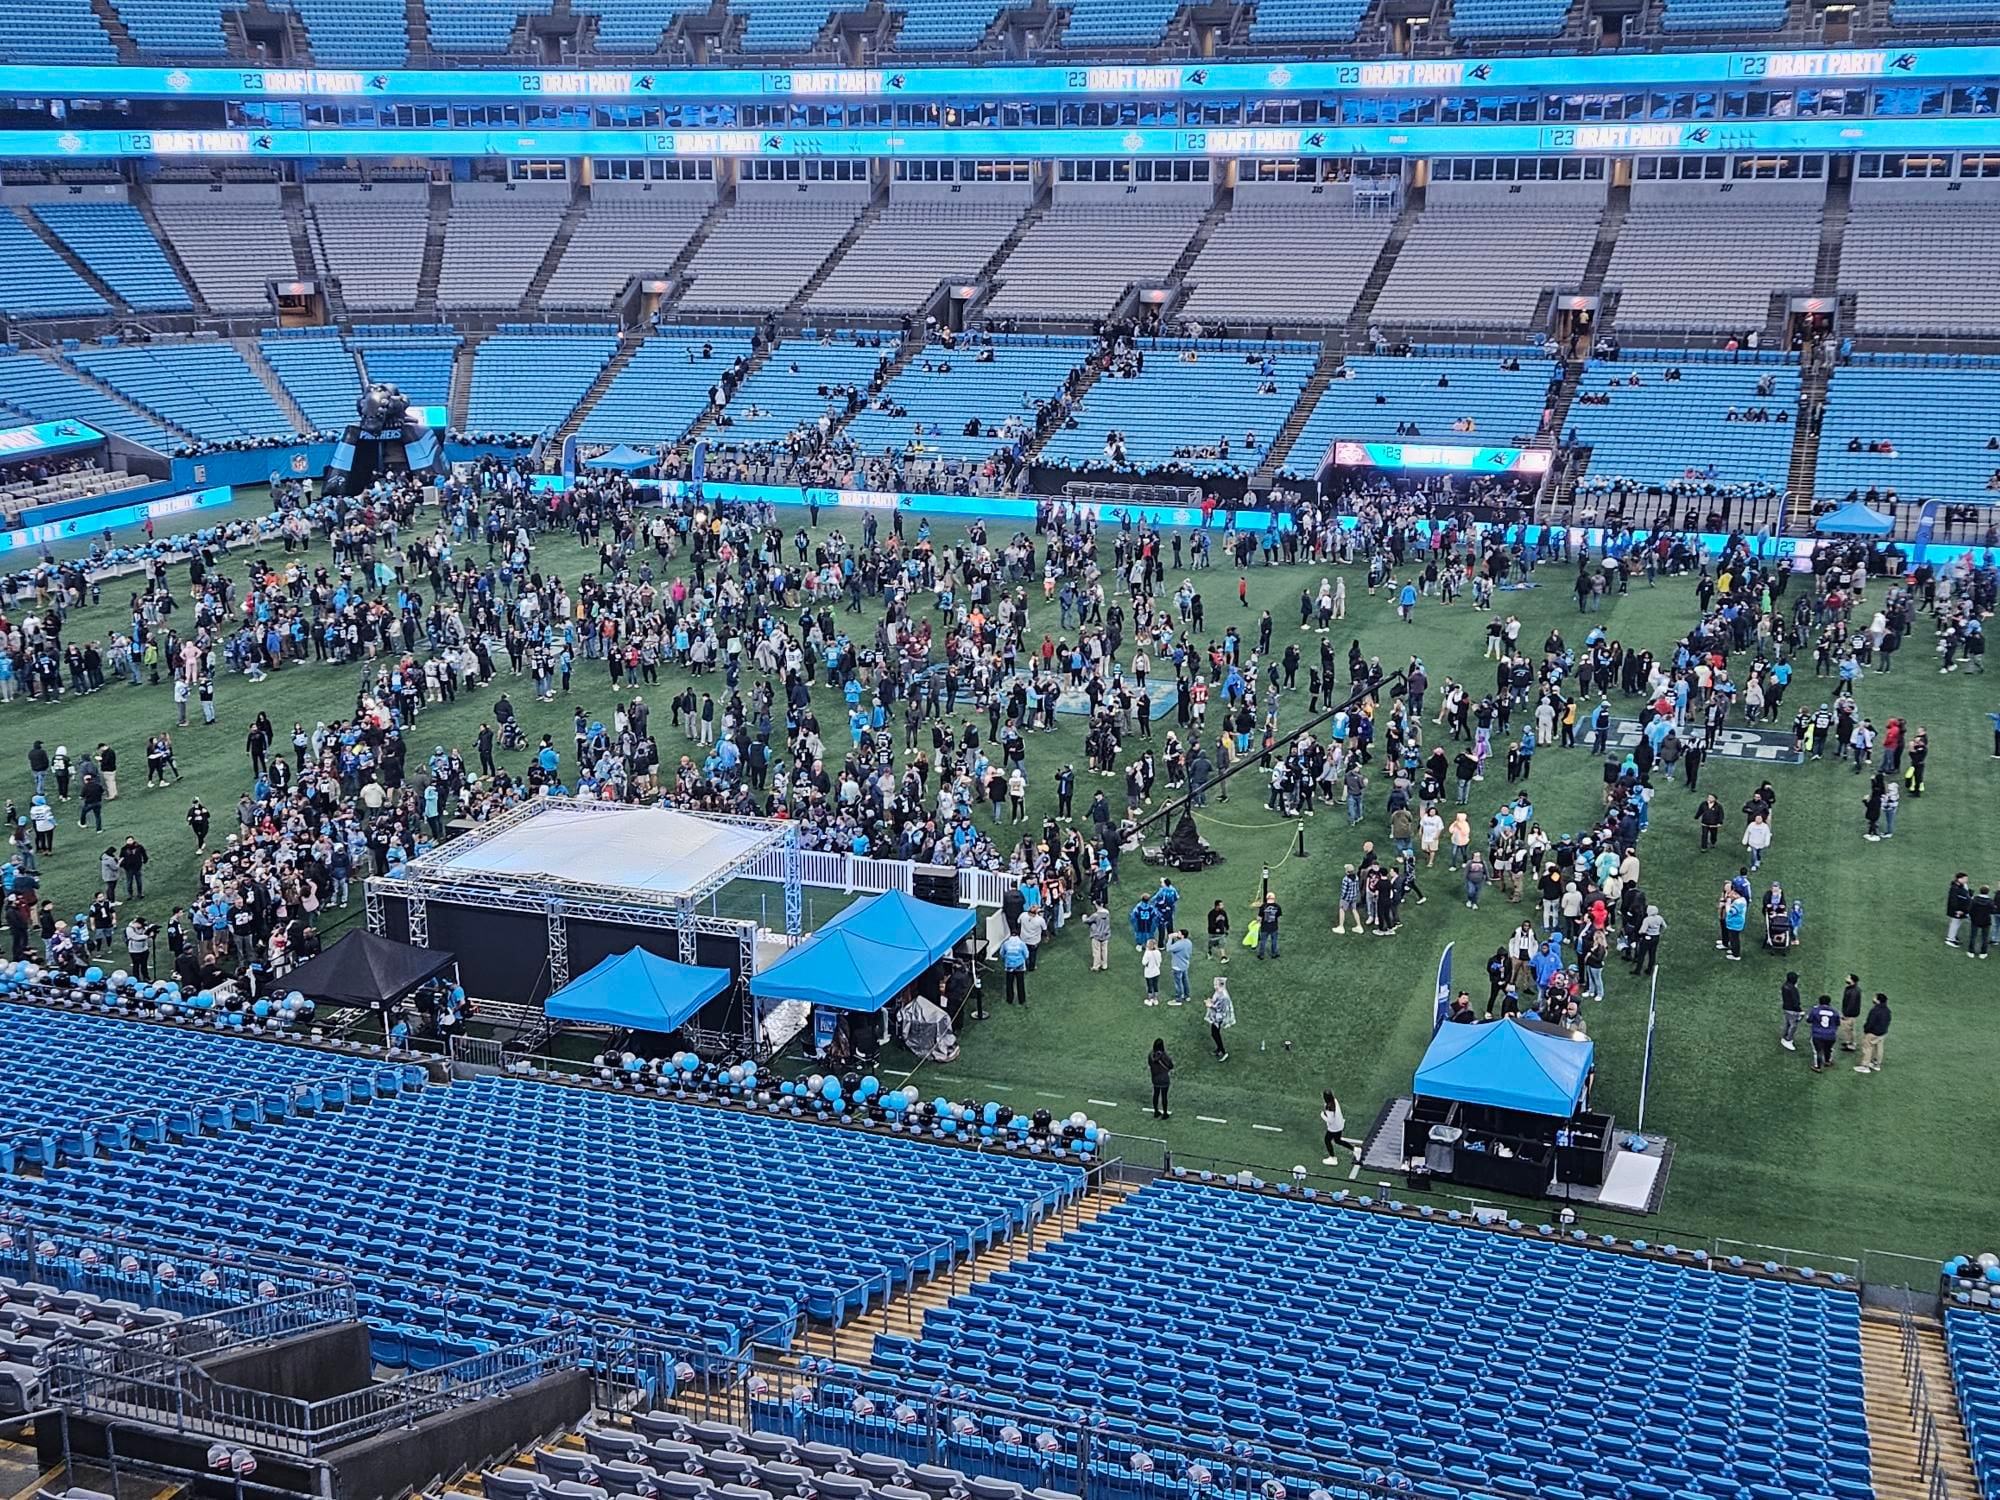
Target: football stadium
[1513,481]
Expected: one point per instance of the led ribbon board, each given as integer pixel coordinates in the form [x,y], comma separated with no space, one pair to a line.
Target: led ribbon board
[19,443]
[1109,80]
[1760,137]
[1443,457]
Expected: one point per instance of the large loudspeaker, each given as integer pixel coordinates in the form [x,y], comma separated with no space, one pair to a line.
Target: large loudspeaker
[937,884]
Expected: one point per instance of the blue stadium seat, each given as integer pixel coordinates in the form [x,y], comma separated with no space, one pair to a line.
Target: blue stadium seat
[1176,401]
[204,388]
[1307,20]
[34,280]
[417,360]
[62,31]
[317,368]
[353,33]
[1972,1339]
[1937,422]
[527,380]
[178,28]
[1723,15]
[44,391]
[1475,19]
[113,240]
[664,388]
[1383,393]
[936,406]
[1660,430]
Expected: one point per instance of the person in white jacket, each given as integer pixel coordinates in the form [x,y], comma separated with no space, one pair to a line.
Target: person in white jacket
[1757,838]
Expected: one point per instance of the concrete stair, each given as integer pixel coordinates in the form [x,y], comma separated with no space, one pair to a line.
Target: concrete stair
[724,201]
[253,356]
[417,22]
[1385,262]
[1803,473]
[1902,1453]
[1832,231]
[1191,251]
[298,221]
[460,397]
[579,204]
[1281,446]
[69,257]
[627,347]
[115,28]
[433,264]
[1616,205]
[847,242]
[904,1316]
[145,207]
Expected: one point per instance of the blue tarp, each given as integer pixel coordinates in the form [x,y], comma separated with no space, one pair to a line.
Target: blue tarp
[637,989]
[1855,519]
[842,970]
[624,458]
[903,921]
[1508,1064]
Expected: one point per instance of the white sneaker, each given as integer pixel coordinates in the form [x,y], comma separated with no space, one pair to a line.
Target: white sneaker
[1859,1069]
[1329,1161]
[1788,1046]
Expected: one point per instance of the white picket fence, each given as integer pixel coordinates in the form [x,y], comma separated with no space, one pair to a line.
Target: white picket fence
[829,870]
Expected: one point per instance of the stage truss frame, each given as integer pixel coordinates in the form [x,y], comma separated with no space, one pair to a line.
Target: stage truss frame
[557,898]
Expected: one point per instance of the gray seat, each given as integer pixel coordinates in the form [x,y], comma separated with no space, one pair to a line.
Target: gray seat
[611,1442]
[511,1483]
[843,1487]
[828,1458]
[668,1456]
[728,1468]
[659,1424]
[743,1492]
[768,1445]
[622,1476]
[879,1468]
[20,1387]
[564,1463]
[574,1489]
[785,1479]
[899,1492]
[1043,1493]
[677,1486]
[716,1434]
[935,1479]
[982,1488]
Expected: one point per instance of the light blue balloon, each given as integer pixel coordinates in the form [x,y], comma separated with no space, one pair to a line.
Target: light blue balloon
[94,975]
[261,1009]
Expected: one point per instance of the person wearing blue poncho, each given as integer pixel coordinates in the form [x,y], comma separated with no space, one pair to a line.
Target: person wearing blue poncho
[1145,920]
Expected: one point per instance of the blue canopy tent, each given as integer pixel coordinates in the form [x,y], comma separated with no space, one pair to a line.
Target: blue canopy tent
[625,459]
[1855,519]
[842,970]
[1517,1065]
[638,990]
[903,921]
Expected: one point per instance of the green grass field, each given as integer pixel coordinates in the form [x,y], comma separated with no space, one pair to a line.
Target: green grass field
[1767,1152]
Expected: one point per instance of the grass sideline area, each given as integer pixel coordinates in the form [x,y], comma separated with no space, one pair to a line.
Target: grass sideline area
[1766,1151]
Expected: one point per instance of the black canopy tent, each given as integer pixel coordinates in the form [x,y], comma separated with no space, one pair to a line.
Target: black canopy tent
[369,971]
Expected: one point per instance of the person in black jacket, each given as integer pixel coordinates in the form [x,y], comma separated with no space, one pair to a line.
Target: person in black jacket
[1793,1008]
[1979,919]
[1873,1030]
[1161,1066]
[1957,903]
[1850,1011]
[1710,816]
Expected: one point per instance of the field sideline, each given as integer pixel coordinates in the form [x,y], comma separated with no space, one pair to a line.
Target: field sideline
[1767,1152]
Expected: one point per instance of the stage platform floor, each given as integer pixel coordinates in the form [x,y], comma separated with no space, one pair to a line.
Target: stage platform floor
[1636,1183]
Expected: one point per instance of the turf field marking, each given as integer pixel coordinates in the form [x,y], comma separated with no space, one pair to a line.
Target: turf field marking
[1274,1129]
[1107,1103]
[1210,1120]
